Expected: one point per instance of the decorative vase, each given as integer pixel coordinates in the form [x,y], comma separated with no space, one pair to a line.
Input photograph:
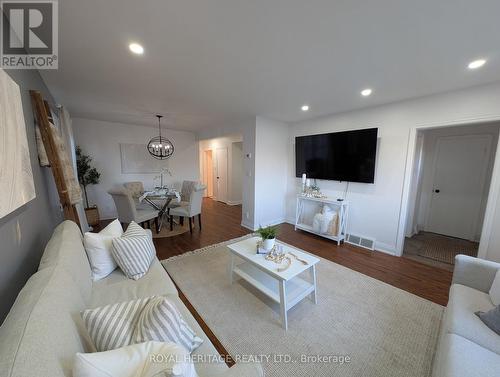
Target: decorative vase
[92,214]
[268,244]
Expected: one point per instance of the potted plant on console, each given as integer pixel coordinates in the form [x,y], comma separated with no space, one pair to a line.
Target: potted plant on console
[268,235]
[87,175]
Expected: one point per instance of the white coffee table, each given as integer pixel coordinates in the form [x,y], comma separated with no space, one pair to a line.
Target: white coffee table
[284,287]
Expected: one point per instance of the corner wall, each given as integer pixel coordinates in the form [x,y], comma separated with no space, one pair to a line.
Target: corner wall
[271,166]
[24,232]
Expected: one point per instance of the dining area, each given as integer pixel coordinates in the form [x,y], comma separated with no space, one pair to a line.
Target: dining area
[167,211]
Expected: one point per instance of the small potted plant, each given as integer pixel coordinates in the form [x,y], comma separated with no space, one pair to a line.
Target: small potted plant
[268,235]
[87,175]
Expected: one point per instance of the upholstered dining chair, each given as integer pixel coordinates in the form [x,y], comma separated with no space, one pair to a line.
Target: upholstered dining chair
[190,210]
[136,189]
[128,212]
[186,189]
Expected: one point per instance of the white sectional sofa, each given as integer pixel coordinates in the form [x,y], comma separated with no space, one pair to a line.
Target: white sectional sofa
[466,346]
[44,330]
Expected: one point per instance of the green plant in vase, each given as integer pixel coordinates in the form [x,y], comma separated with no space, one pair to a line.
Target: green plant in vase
[87,175]
[268,235]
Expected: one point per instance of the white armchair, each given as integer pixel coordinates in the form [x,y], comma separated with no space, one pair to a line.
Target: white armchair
[190,210]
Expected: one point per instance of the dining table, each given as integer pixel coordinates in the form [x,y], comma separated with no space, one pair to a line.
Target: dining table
[159,199]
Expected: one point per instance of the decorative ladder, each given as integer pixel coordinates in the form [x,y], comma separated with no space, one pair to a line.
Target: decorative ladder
[43,117]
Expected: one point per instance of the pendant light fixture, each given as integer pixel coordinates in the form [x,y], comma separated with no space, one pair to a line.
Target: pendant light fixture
[160,147]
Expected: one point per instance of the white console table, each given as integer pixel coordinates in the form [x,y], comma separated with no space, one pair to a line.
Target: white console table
[308,206]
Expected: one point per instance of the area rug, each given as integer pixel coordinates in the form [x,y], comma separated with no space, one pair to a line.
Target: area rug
[441,248]
[381,330]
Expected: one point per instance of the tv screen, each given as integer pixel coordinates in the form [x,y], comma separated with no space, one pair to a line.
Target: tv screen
[341,156]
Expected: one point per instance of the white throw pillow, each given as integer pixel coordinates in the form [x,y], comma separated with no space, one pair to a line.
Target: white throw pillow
[317,221]
[495,289]
[134,251]
[98,247]
[160,320]
[139,360]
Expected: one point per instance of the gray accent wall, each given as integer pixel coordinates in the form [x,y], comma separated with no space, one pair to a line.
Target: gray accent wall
[24,232]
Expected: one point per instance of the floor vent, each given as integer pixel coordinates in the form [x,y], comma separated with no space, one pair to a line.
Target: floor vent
[367,243]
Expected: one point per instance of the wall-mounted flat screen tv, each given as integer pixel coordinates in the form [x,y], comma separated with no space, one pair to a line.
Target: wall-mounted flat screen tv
[341,156]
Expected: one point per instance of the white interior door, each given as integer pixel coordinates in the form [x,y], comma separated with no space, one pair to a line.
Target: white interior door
[208,173]
[460,169]
[221,177]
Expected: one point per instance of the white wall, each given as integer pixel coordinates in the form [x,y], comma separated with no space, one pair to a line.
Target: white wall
[376,208]
[416,189]
[489,247]
[234,163]
[248,205]
[271,166]
[492,249]
[102,141]
[429,154]
[237,173]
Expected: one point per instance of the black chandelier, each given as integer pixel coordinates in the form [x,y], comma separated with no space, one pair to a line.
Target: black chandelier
[160,147]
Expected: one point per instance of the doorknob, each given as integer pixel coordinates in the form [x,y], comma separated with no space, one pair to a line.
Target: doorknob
[217,177]
[437,191]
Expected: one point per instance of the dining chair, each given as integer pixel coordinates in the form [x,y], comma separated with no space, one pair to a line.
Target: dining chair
[136,189]
[128,212]
[186,189]
[190,210]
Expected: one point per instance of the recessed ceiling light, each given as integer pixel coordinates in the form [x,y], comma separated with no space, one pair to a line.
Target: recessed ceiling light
[305,108]
[136,48]
[477,64]
[366,92]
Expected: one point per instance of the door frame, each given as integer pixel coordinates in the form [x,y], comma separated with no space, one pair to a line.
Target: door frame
[204,173]
[475,220]
[407,184]
[216,182]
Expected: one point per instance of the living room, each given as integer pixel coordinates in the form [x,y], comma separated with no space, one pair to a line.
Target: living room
[230,188]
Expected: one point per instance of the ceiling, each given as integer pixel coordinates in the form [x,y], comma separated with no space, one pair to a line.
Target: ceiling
[212,63]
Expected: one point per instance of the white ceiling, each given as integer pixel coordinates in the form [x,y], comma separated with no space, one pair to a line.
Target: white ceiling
[210,63]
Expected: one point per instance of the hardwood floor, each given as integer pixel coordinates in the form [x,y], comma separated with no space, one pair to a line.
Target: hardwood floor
[220,222]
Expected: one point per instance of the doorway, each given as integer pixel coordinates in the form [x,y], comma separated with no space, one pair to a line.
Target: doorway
[221,175]
[452,174]
[208,173]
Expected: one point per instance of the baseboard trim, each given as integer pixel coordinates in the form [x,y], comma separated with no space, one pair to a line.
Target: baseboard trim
[385,248]
[248,226]
[274,222]
[235,203]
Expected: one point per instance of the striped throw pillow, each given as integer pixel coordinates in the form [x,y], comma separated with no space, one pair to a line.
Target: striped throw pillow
[160,320]
[134,251]
[112,326]
[146,319]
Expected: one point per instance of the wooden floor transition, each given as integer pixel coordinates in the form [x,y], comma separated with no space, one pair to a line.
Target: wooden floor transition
[221,222]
